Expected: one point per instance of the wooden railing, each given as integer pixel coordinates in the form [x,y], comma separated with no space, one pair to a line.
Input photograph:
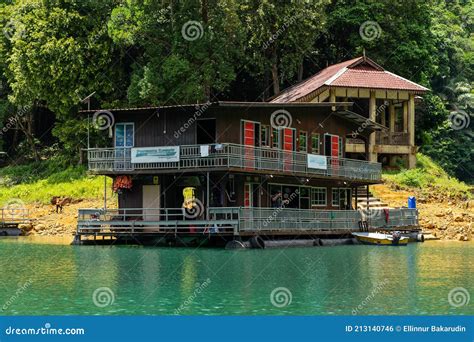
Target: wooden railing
[235,220]
[236,156]
[386,138]
[392,138]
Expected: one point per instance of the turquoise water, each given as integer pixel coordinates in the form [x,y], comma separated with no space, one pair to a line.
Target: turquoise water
[54,279]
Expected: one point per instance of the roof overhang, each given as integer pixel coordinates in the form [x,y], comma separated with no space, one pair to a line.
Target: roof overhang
[365,123]
[230,104]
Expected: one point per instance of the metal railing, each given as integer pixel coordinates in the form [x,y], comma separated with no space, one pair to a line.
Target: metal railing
[151,220]
[236,156]
[9,216]
[391,218]
[278,219]
[234,220]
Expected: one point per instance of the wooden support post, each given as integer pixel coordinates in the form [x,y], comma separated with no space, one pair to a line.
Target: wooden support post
[372,116]
[105,193]
[207,195]
[332,97]
[391,110]
[356,198]
[405,117]
[411,131]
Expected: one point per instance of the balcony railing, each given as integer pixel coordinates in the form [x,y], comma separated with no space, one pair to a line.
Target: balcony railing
[235,220]
[222,156]
[386,138]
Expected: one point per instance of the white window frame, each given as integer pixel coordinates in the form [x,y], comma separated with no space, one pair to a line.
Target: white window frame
[124,131]
[325,192]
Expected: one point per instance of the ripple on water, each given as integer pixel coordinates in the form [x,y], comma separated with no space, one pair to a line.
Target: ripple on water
[154,281]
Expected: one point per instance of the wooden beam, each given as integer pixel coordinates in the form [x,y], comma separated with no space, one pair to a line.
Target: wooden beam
[405,116]
[373,117]
[391,111]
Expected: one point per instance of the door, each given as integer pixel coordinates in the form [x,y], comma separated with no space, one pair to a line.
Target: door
[151,203]
[251,195]
[124,140]
[288,146]
[331,149]
[250,140]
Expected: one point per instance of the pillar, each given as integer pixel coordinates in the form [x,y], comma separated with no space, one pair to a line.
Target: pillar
[411,132]
[405,116]
[391,113]
[373,117]
[332,97]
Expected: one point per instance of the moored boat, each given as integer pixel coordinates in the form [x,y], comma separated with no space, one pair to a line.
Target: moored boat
[394,239]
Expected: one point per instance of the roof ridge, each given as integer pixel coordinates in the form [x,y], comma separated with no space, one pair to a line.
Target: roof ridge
[335,76]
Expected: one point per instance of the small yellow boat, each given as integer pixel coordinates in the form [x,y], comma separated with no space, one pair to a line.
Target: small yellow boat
[394,239]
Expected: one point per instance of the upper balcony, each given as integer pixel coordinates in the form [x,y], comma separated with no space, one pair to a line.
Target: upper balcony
[234,157]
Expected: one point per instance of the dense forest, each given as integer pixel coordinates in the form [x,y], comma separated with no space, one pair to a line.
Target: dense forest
[54,53]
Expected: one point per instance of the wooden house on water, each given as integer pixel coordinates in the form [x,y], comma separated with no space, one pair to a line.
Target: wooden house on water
[237,171]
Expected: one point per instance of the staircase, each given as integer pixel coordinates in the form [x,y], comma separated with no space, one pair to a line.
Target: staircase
[374,202]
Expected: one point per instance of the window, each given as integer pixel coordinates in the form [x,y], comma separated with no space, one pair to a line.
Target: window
[124,135]
[318,197]
[265,135]
[315,143]
[341,197]
[304,197]
[303,141]
[275,138]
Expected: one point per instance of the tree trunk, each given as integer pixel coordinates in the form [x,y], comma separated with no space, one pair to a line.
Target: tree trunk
[27,127]
[205,20]
[275,78]
[300,72]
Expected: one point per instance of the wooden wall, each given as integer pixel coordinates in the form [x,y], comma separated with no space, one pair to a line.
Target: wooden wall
[174,127]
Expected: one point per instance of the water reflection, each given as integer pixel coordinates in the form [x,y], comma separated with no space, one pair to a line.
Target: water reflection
[330,280]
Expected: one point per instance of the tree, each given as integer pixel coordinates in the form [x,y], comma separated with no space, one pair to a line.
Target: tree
[181,51]
[280,36]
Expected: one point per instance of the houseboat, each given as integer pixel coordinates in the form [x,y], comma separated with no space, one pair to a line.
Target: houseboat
[231,172]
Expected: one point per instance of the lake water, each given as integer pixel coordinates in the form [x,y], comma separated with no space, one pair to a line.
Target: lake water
[48,277]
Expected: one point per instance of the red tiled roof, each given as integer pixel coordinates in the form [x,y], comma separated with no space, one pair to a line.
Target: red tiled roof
[359,72]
